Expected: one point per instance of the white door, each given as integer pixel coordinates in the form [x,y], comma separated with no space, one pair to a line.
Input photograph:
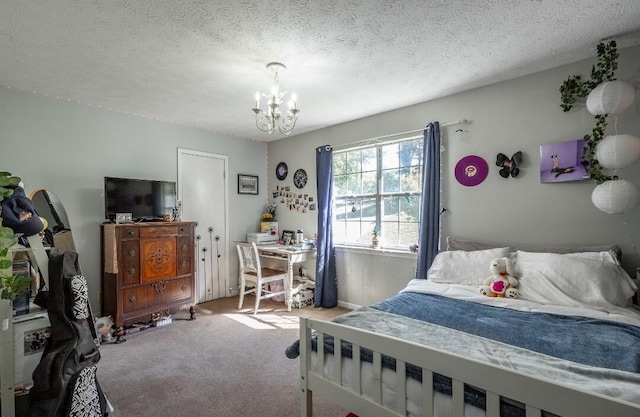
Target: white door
[203,193]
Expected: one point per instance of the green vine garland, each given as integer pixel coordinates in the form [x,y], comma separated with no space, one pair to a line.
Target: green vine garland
[575,87]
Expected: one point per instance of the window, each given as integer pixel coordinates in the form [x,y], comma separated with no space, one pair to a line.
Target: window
[378,187]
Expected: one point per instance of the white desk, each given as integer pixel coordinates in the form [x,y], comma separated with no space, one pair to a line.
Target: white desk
[291,256]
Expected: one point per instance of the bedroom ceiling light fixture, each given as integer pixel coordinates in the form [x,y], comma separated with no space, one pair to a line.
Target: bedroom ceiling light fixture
[271,118]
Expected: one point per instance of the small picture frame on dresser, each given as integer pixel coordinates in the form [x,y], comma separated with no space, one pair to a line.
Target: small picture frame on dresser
[124,218]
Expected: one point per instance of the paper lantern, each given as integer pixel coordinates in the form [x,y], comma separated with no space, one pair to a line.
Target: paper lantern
[610,97]
[616,196]
[618,151]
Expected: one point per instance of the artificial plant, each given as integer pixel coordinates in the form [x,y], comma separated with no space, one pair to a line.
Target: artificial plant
[11,286]
[575,87]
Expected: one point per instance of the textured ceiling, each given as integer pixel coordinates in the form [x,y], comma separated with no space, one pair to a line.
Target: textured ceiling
[199,63]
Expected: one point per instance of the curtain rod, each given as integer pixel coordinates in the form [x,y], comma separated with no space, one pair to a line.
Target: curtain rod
[373,140]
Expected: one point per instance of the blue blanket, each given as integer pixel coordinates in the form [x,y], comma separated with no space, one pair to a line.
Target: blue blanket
[588,341]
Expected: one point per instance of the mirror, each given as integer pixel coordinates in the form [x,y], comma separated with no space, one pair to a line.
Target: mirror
[50,207]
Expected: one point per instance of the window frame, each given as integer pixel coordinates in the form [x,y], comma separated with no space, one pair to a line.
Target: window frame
[379,196]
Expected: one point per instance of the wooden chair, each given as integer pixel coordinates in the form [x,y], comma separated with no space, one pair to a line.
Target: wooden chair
[252,272]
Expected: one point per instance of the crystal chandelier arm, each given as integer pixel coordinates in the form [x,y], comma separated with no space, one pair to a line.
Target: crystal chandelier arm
[288,122]
[264,122]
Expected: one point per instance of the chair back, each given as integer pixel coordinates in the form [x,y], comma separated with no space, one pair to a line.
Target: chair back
[249,258]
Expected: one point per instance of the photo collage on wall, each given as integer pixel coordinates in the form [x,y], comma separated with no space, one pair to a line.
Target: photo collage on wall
[293,201]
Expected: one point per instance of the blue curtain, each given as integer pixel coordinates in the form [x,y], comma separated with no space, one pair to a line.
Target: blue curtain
[326,293]
[430,209]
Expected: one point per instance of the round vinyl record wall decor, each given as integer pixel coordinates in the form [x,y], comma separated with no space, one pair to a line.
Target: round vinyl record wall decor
[282,171]
[471,170]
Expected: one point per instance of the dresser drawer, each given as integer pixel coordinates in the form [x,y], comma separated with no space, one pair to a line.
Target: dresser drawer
[184,229]
[177,289]
[130,262]
[185,255]
[129,232]
[136,298]
[158,231]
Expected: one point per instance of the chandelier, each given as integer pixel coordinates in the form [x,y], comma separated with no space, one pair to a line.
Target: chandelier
[271,118]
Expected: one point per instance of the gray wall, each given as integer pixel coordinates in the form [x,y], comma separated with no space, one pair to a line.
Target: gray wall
[68,148]
[517,115]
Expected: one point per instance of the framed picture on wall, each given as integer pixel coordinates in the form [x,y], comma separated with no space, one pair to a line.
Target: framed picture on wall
[562,162]
[247,184]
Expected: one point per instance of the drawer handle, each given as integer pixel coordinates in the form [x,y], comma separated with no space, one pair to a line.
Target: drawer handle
[132,271]
[184,247]
[131,233]
[183,288]
[132,299]
[132,253]
[184,263]
[159,286]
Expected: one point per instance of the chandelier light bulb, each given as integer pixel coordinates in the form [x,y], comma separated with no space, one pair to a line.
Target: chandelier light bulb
[257,100]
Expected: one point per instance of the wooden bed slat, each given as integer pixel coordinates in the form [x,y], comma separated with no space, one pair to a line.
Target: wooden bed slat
[357,373]
[427,393]
[376,378]
[493,404]
[306,397]
[457,398]
[531,411]
[337,360]
[401,386]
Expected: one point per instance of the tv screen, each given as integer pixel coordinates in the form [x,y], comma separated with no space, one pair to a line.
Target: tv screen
[144,199]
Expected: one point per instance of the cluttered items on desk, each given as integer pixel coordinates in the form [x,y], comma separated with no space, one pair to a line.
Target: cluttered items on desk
[291,241]
[262,238]
[299,247]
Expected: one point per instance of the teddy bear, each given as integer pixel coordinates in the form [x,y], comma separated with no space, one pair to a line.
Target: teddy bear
[502,283]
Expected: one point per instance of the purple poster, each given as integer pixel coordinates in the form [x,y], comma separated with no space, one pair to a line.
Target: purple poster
[561,162]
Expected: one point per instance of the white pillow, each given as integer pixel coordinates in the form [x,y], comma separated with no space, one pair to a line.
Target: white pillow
[607,256]
[557,279]
[464,267]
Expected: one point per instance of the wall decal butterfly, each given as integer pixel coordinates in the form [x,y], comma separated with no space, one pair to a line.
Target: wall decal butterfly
[509,166]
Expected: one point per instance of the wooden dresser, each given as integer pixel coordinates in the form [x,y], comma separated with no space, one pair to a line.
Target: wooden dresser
[148,268]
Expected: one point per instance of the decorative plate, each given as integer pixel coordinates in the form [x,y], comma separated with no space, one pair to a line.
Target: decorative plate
[282,171]
[300,178]
[471,170]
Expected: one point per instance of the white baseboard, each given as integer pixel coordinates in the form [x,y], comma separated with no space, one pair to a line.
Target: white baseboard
[350,306]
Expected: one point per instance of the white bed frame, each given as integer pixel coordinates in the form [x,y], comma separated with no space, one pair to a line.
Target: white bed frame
[536,393]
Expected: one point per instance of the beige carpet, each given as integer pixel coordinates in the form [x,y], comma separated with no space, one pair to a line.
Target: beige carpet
[227,363]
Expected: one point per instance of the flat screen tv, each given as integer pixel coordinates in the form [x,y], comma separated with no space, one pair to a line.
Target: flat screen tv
[144,199]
